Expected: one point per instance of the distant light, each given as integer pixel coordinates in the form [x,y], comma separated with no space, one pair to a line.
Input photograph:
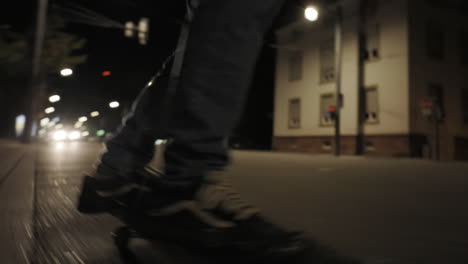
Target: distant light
[311,13]
[129,29]
[56,119]
[20,124]
[160,142]
[74,135]
[49,110]
[150,83]
[82,119]
[100,132]
[54,98]
[106,73]
[94,114]
[84,133]
[51,124]
[114,104]
[66,72]
[78,125]
[60,135]
[44,122]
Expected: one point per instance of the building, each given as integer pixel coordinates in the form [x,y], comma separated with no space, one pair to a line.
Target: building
[402,61]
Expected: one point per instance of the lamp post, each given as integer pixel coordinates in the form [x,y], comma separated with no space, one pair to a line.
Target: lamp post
[37,81]
[338,62]
[312,14]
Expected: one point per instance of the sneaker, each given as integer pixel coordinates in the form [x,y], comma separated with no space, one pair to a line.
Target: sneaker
[210,215]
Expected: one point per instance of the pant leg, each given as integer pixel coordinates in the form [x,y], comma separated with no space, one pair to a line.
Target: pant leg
[222,50]
[133,145]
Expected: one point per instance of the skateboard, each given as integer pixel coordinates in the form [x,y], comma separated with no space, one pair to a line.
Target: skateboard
[137,243]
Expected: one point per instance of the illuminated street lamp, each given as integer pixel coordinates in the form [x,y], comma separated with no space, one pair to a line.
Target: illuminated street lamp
[54,98]
[49,110]
[94,114]
[82,119]
[311,13]
[114,104]
[66,72]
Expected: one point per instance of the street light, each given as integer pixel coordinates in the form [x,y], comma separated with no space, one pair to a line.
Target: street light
[66,72]
[78,125]
[114,104]
[82,119]
[49,110]
[43,122]
[94,114]
[54,98]
[311,13]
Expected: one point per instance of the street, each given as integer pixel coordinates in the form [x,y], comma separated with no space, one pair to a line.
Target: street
[377,210]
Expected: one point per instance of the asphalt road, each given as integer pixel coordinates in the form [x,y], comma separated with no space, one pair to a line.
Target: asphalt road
[381,211]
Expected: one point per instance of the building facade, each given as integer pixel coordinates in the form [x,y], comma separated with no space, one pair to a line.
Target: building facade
[404,76]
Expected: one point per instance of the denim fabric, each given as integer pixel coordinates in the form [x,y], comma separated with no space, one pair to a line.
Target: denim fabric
[224,42]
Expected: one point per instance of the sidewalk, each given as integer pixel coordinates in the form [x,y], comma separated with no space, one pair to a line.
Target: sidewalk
[16,200]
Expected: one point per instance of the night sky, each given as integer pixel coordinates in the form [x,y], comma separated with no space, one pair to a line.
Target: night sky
[132,64]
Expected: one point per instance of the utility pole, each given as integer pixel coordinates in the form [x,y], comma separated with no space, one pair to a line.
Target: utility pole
[338,62]
[37,80]
[360,149]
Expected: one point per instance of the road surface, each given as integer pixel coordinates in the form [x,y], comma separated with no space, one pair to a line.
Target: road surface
[378,210]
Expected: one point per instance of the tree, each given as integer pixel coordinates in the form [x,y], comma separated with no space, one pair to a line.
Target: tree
[61,49]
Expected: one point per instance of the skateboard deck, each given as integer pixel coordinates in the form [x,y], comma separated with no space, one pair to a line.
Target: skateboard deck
[136,245]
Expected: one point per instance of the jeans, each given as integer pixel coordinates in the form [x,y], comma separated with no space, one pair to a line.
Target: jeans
[221,52]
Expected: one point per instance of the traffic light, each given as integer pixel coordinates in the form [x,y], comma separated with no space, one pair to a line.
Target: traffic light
[331,112]
[106,73]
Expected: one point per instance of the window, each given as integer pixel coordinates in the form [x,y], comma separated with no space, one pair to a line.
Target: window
[295,113]
[327,61]
[435,40]
[371,42]
[464,105]
[295,66]
[371,114]
[464,47]
[326,101]
[436,93]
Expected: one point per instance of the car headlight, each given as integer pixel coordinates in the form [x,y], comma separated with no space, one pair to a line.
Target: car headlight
[74,135]
[59,135]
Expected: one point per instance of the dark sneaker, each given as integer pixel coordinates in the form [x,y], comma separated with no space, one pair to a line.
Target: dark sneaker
[212,215]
